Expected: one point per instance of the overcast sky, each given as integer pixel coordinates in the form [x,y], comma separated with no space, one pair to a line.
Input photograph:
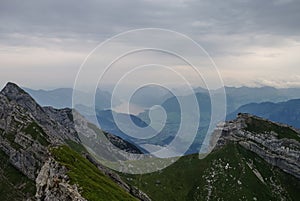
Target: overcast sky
[253,42]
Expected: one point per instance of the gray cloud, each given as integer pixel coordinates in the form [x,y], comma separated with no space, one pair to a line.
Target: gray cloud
[225,28]
[106,17]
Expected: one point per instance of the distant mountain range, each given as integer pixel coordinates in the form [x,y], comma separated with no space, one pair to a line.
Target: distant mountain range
[151,95]
[62,97]
[237,97]
[284,112]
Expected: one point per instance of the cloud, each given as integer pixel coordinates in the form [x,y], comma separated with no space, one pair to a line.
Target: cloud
[106,17]
[247,31]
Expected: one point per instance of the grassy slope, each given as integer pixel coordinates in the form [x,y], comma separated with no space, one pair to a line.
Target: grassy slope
[79,148]
[13,184]
[193,179]
[95,185]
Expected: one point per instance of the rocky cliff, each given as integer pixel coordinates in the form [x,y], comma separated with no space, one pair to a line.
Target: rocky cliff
[27,131]
[52,183]
[278,144]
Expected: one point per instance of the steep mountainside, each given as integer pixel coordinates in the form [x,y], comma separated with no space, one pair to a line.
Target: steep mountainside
[254,159]
[29,136]
[285,112]
[12,180]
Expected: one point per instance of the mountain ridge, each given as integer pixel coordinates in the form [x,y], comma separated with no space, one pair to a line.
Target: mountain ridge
[28,131]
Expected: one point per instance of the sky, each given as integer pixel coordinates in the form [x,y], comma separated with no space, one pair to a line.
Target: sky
[252,42]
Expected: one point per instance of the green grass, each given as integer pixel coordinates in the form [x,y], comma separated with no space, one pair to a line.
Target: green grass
[79,148]
[95,185]
[187,179]
[37,133]
[260,126]
[13,184]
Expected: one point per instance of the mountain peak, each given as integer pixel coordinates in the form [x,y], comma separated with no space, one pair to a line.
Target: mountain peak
[15,93]
[12,89]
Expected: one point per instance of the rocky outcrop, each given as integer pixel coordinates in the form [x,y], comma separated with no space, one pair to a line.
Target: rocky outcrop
[27,151]
[279,149]
[46,117]
[27,130]
[52,184]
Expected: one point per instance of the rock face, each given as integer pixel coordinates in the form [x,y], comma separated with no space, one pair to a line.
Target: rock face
[27,150]
[52,184]
[50,119]
[277,144]
[27,130]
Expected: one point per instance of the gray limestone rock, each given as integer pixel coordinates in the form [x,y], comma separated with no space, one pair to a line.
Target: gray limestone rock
[52,184]
[282,152]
